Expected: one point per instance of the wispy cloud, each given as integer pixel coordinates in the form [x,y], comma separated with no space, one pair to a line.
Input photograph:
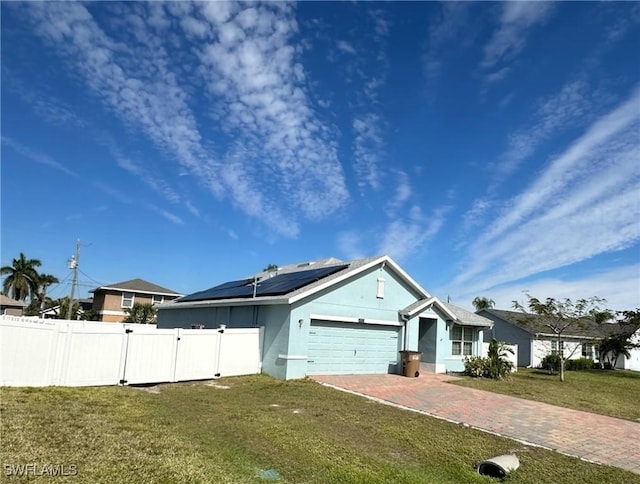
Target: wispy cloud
[584,203]
[402,194]
[619,286]
[37,157]
[449,26]
[124,199]
[346,47]
[249,64]
[368,124]
[252,68]
[405,236]
[368,149]
[145,174]
[568,108]
[350,244]
[510,38]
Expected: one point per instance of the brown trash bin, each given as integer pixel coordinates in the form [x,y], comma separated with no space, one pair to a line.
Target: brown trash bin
[410,363]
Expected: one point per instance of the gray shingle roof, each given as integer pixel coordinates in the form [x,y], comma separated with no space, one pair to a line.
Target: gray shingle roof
[468,318]
[138,285]
[7,301]
[536,324]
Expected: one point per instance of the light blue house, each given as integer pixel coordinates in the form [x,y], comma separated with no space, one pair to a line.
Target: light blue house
[334,317]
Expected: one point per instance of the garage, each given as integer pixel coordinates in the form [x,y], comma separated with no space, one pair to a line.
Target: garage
[344,348]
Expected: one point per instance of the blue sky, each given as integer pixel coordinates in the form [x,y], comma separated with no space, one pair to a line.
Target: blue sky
[489,148]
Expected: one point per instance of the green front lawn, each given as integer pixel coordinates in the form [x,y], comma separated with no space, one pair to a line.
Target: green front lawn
[251,429]
[613,393]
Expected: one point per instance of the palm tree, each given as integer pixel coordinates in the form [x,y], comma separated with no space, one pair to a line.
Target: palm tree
[140,313]
[44,281]
[483,303]
[22,278]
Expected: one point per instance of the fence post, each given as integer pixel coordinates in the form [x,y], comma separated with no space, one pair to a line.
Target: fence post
[123,358]
[176,349]
[219,350]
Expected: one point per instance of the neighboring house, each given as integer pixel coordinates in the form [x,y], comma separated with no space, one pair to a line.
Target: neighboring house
[333,317]
[536,339]
[110,301]
[11,307]
[54,311]
[633,361]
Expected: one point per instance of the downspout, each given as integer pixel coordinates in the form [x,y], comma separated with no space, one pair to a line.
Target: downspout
[405,318]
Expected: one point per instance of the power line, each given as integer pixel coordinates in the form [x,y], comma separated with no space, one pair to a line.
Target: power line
[90,278]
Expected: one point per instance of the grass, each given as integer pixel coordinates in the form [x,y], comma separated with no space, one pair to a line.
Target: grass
[233,429]
[613,393]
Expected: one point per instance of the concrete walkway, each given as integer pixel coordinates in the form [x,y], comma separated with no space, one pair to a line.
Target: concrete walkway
[596,438]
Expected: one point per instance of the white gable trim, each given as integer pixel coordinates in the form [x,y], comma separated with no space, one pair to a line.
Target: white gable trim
[432,301]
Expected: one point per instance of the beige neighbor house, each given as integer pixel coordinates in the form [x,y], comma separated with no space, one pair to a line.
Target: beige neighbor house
[11,307]
[111,301]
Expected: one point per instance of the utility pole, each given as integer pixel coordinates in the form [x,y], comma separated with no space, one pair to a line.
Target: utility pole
[73,264]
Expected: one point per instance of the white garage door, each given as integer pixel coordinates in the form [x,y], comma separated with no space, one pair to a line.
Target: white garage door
[346,348]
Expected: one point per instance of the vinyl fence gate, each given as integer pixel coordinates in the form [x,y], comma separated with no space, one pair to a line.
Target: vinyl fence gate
[43,352]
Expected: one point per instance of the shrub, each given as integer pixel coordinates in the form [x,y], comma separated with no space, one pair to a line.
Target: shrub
[551,363]
[579,364]
[497,365]
[474,366]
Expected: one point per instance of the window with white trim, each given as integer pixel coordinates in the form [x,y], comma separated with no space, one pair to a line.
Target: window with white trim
[127,299]
[556,347]
[157,299]
[462,338]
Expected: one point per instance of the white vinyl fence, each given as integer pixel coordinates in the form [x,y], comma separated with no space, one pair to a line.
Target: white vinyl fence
[43,352]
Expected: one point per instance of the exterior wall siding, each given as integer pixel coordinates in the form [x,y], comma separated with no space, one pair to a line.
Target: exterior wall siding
[510,334]
[543,347]
[286,328]
[351,299]
[12,311]
[111,301]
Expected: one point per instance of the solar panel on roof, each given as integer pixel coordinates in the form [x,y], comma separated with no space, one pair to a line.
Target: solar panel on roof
[222,291]
[285,283]
[274,286]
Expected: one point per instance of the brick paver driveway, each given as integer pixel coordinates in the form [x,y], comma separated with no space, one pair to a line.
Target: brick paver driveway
[596,438]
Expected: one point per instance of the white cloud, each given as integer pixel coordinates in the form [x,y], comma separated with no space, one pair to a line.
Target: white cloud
[402,194]
[192,208]
[510,37]
[368,149]
[145,174]
[584,203]
[619,286]
[36,156]
[453,18]
[350,244]
[405,236]
[252,68]
[248,63]
[346,47]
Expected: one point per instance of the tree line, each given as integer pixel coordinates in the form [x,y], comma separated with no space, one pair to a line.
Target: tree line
[24,283]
